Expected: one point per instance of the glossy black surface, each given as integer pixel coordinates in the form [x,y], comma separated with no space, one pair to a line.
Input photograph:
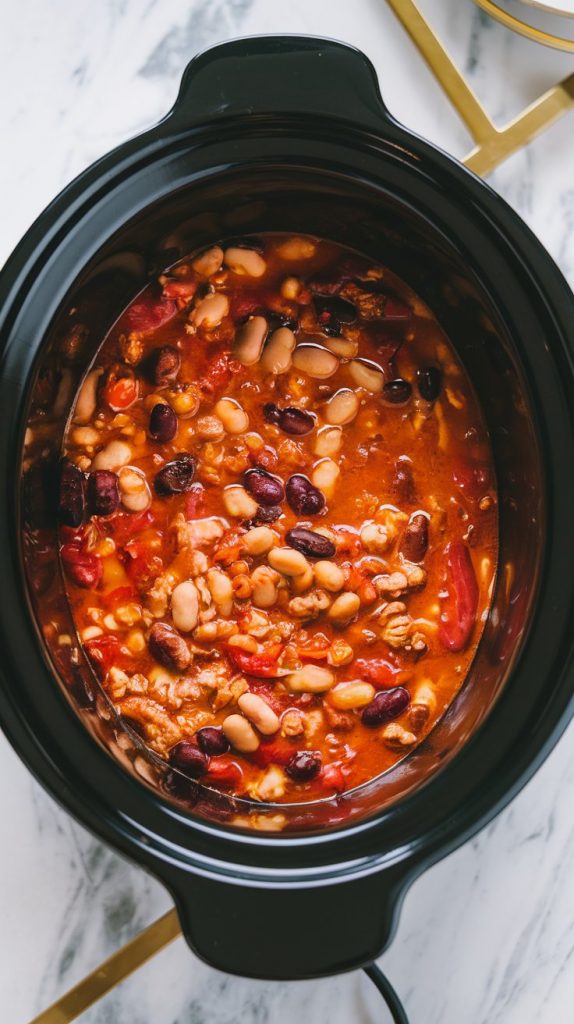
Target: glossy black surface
[290,134]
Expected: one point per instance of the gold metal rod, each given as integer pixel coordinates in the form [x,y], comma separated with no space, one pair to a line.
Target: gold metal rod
[481,128]
[538,116]
[113,970]
[524,29]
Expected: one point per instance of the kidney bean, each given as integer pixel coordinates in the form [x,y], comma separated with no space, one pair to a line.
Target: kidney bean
[397,392]
[429,380]
[265,488]
[176,476]
[265,516]
[416,538]
[166,363]
[458,607]
[147,313]
[291,420]
[309,543]
[82,567]
[189,759]
[304,765]
[472,479]
[72,498]
[103,493]
[162,423]
[403,484]
[212,740]
[168,647]
[303,497]
[386,705]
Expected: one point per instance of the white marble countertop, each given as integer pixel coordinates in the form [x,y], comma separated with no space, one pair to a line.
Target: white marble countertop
[487,935]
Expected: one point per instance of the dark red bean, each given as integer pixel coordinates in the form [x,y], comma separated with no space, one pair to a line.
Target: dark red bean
[72,497]
[162,423]
[265,515]
[397,392]
[276,320]
[429,380]
[212,740]
[103,493]
[291,420]
[166,363]
[176,476]
[265,488]
[168,647]
[416,538]
[309,543]
[333,308]
[189,759]
[303,765]
[386,705]
[303,497]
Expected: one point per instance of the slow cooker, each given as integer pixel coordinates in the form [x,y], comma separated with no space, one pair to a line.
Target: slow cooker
[273,134]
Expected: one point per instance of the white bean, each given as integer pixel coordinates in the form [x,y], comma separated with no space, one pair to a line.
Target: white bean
[343,347]
[114,455]
[221,590]
[310,679]
[238,502]
[249,340]
[325,476]
[240,734]
[272,786]
[354,694]
[185,606]
[328,441]
[87,398]
[344,608]
[211,310]
[134,489]
[315,361]
[367,375]
[234,418]
[259,713]
[246,262]
[277,354]
[264,581]
[86,437]
[288,561]
[342,407]
[259,540]
[330,576]
[209,261]
[296,248]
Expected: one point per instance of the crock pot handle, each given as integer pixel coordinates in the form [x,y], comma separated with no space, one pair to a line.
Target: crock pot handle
[260,75]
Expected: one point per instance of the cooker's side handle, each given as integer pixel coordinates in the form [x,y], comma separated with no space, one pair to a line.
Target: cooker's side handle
[291,933]
[264,75]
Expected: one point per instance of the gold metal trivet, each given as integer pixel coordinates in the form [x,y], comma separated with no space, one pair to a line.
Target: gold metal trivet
[493,145]
[524,29]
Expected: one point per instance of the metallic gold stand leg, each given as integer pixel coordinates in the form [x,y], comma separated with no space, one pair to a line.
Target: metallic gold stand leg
[493,145]
[109,974]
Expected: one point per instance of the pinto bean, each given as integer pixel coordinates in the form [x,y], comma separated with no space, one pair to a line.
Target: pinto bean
[277,354]
[246,262]
[287,561]
[415,539]
[330,576]
[315,361]
[367,375]
[168,647]
[238,502]
[87,397]
[249,340]
[259,540]
[344,608]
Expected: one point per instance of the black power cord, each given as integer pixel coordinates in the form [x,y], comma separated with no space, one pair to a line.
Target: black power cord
[388,993]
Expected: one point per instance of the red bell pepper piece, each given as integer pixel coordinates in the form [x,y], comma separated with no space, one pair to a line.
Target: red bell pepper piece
[103,652]
[332,777]
[380,672]
[263,665]
[124,526]
[459,606]
[273,751]
[179,289]
[224,772]
[119,394]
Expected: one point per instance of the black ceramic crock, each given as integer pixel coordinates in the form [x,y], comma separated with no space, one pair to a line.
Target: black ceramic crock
[277,134]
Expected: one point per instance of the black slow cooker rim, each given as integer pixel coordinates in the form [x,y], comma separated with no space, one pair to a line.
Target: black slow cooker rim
[106,820]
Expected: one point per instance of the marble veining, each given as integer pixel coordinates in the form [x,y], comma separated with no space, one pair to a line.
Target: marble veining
[487,935]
